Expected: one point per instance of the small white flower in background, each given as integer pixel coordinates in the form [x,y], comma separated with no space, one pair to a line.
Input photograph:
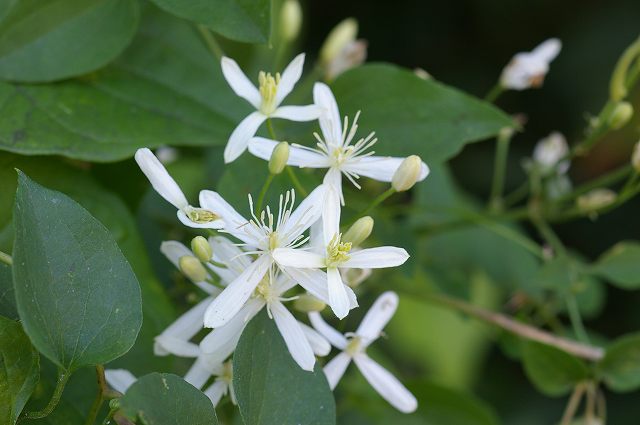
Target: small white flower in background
[119,379]
[557,186]
[354,345]
[166,187]
[337,255]
[266,99]
[528,69]
[204,368]
[167,154]
[260,236]
[337,150]
[352,55]
[596,199]
[301,340]
[550,154]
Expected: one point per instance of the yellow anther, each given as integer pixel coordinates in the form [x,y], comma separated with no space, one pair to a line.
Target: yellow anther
[273,241]
[353,347]
[201,216]
[268,89]
[337,251]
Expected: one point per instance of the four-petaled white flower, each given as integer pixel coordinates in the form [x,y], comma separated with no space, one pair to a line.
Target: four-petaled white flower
[266,99]
[261,236]
[338,255]
[528,69]
[166,187]
[354,345]
[337,150]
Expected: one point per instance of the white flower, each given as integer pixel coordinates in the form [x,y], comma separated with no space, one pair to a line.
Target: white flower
[119,379]
[337,255]
[266,99]
[337,150]
[301,341]
[261,236]
[550,153]
[528,69]
[204,368]
[169,190]
[354,345]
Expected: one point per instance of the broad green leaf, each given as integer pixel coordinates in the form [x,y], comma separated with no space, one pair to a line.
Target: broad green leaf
[77,296]
[19,370]
[7,299]
[165,89]
[553,372]
[158,399]
[414,116]
[620,367]
[242,20]
[270,387]
[621,265]
[56,39]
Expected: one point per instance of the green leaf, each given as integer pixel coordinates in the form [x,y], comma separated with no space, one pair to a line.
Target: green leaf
[158,399]
[63,38]
[7,298]
[76,293]
[621,265]
[241,20]
[620,367]
[553,372]
[19,370]
[414,116]
[270,387]
[165,89]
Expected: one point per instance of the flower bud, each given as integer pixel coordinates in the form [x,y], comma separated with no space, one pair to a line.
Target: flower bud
[339,37]
[307,303]
[407,173]
[359,231]
[352,55]
[354,277]
[290,19]
[635,158]
[596,199]
[279,158]
[422,74]
[620,115]
[201,248]
[549,153]
[192,268]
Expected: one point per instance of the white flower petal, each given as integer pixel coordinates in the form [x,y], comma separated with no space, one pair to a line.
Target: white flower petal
[239,82]
[298,156]
[215,224]
[381,168]
[319,344]
[160,179]
[376,258]
[119,379]
[307,213]
[386,384]
[235,224]
[297,113]
[293,336]
[338,298]
[198,374]
[330,215]
[330,121]
[290,77]
[184,328]
[298,258]
[333,180]
[216,391]
[222,341]
[336,368]
[168,344]
[353,301]
[333,336]
[377,317]
[233,297]
[548,50]
[226,252]
[313,280]
[239,139]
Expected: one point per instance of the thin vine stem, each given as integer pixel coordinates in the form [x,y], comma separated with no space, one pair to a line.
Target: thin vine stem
[576,318]
[263,192]
[6,258]
[377,201]
[97,403]
[210,41]
[63,378]
[499,170]
[494,93]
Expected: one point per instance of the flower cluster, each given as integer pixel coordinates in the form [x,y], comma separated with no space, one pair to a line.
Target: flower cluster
[295,252]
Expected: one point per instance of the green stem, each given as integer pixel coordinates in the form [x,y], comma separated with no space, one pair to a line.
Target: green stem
[517,195]
[576,319]
[210,41]
[549,235]
[499,170]
[512,235]
[63,377]
[296,182]
[263,192]
[97,403]
[377,201]
[602,181]
[494,93]
[272,132]
[6,258]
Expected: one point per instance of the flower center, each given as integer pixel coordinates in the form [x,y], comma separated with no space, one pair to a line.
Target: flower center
[200,215]
[337,251]
[340,155]
[273,241]
[268,89]
[353,346]
[227,372]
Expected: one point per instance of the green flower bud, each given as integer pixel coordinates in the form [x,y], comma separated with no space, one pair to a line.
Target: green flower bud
[596,199]
[307,303]
[635,157]
[620,115]
[279,158]
[359,232]
[192,268]
[339,37]
[407,173]
[201,248]
[290,19]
